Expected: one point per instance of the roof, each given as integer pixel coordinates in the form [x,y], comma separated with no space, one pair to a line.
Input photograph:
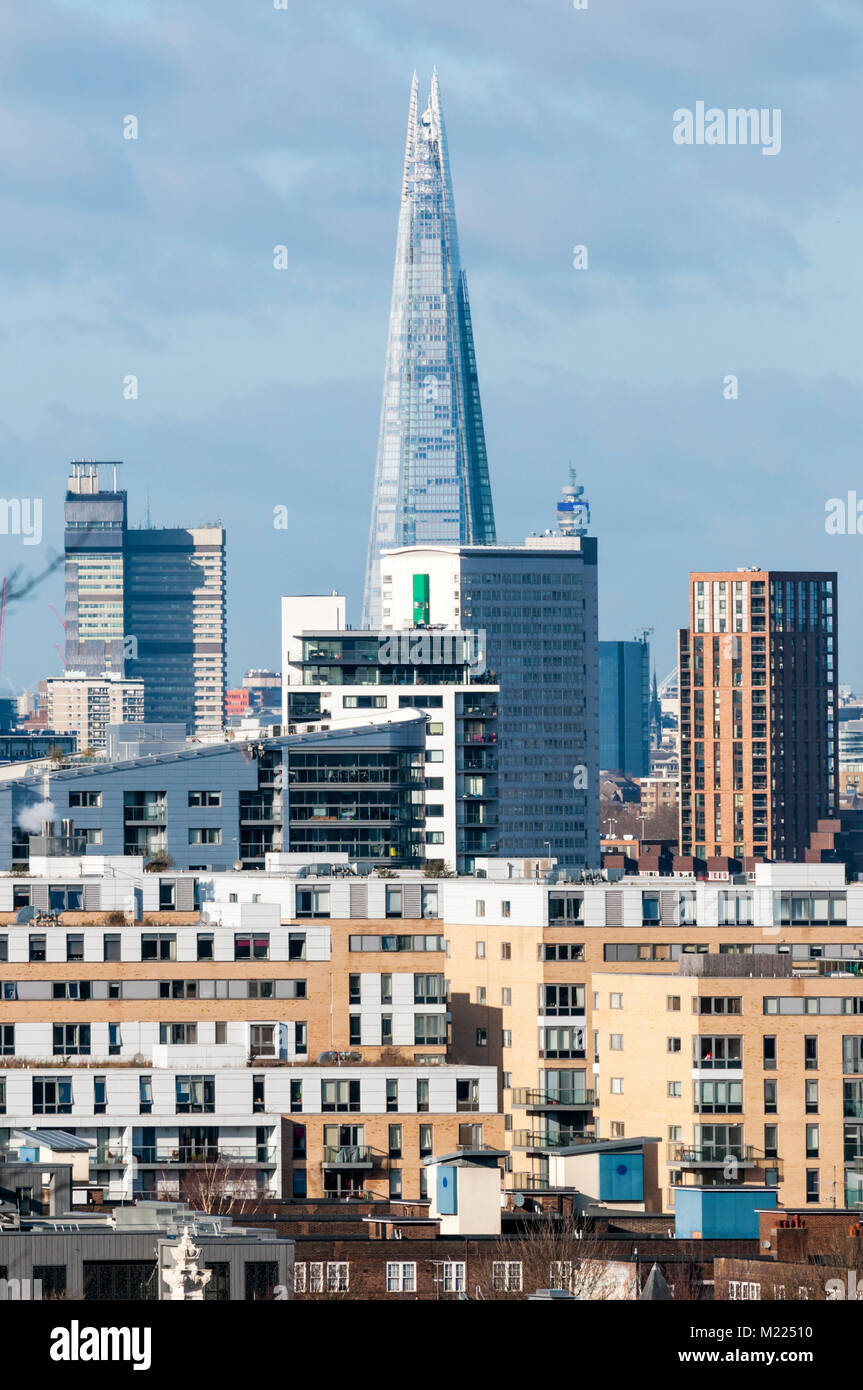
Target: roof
[55,1139]
[604,1146]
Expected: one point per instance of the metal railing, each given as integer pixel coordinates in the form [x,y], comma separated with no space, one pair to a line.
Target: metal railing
[565,1139]
[688,1155]
[347,1156]
[524,1096]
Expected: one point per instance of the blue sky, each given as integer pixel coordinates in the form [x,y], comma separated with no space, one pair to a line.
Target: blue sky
[261,388]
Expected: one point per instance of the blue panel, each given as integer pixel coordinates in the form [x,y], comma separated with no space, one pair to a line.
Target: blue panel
[447,1191]
[720,1213]
[621,1177]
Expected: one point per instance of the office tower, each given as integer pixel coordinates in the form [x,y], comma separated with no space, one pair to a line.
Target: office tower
[431,478]
[758,729]
[533,608]
[86,705]
[146,603]
[335,675]
[624,706]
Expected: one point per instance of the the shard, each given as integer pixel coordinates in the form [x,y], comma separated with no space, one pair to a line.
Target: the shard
[431,478]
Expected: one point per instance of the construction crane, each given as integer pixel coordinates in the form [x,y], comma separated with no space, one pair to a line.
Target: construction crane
[644,634]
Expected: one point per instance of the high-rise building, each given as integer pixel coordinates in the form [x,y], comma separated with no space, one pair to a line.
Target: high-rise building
[759,754]
[333,674]
[533,610]
[146,603]
[86,705]
[431,479]
[624,707]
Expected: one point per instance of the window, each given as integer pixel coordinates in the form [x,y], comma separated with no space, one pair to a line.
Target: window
[480,950]
[771,1141]
[158,946]
[392,1090]
[4,948]
[813,1185]
[393,906]
[454,1277]
[769,1053]
[738,1289]
[430,1029]
[395,1183]
[7,1039]
[37,948]
[812,1141]
[52,1095]
[395,1141]
[205,835]
[258,1094]
[82,799]
[426,1140]
[675,1088]
[617,1085]
[205,798]
[52,1278]
[178,1034]
[260,989]
[506,1276]
[675,1133]
[615,1001]
[811,1097]
[422,1095]
[100,1098]
[505,909]
[313,902]
[617,1129]
[466,1094]
[672,1003]
[221,1032]
[145,1095]
[561,1000]
[673,1044]
[255,947]
[401,1278]
[479,907]
[506,997]
[506,1038]
[71,1039]
[430,902]
[480,994]
[340,1095]
[615,1042]
[770,1098]
[195,1095]
[205,946]
[810,1053]
[505,950]
[75,947]
[296,945]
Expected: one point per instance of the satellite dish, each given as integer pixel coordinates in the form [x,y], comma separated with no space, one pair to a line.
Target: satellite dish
[518,1199]
[238,864]
[25,914]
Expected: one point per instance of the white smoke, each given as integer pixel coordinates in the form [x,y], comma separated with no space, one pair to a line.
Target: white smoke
[31,818]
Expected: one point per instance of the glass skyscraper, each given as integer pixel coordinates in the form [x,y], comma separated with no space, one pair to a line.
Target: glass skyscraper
[431,479]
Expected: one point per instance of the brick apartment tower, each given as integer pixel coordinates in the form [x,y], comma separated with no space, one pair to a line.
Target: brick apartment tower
[759,748]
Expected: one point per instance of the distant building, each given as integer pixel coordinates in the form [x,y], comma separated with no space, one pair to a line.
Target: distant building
[85,706]
[759,745]
[624,708]
[145,603]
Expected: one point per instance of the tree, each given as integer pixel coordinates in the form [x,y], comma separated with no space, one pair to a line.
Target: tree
[551,1251]
[222,1186]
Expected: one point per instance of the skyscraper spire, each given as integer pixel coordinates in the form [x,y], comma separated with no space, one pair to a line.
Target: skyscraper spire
[431,479]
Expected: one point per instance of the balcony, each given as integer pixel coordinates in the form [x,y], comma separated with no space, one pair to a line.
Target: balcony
[711,1155]
[527,1182]
[246,1156]
[527,1099]
[347,1156]
[537,1142]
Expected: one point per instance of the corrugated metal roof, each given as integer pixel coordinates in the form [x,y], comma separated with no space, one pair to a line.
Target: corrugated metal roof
[55,1139]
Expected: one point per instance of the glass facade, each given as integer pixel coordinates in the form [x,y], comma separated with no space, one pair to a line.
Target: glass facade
[624,708]
[431,478]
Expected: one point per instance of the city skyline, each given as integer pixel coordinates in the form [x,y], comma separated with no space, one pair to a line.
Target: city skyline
[734,264]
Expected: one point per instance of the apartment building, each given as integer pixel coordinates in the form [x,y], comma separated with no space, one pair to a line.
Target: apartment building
[297,1046]
[759,751]
[85,706]
[354,791]
[751,1071]
[332,674]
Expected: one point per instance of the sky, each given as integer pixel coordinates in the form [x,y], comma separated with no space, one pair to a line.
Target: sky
[259,388]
